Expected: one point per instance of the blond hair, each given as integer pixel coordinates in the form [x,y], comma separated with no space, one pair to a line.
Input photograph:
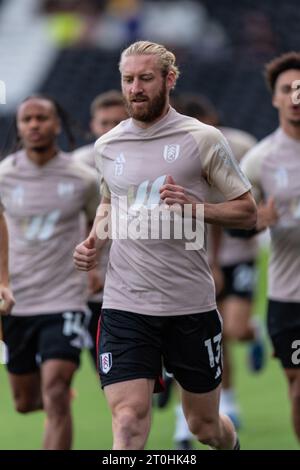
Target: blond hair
[166,58]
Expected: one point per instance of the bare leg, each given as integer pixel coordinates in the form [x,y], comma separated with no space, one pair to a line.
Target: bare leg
[293,377]
[237,319]
[56,382]
[202,414]
[130,403]
[26,389]
[236,314]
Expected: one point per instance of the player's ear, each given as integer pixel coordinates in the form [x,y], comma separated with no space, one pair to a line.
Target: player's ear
[275,97]
[171,80]
[93,126]
[275,100]
[58,126]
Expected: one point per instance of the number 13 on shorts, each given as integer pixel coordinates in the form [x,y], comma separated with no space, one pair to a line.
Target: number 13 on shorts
[213,346]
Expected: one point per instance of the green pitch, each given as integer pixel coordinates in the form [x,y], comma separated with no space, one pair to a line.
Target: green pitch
[263,400]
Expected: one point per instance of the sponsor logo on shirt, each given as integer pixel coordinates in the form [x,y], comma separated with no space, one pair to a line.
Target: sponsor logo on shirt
[119,165]
[105,362]
[171,152]
[41,227]
[147,194]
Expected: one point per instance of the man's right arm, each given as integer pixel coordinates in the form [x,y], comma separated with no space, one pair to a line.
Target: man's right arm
[86,254]
[6,298]
[251,164]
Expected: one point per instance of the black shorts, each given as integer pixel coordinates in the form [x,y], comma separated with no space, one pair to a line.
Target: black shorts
[31,340]
[95,309]
[134,346]
[284,330]
[239,280]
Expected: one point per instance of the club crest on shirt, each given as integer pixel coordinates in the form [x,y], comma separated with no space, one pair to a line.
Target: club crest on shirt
[281,177]
[171,152]
[65,189]
[105,362]
[17,196]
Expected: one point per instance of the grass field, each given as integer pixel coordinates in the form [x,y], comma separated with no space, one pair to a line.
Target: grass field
[263,400]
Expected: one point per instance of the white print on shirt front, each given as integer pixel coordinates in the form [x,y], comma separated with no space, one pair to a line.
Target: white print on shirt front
[281,177]
[17,196]
[141,215]
[171,152]
[119,165]
[146,197]
[41,227]
[65,190]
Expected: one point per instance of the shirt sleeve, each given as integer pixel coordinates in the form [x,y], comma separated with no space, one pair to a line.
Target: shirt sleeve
[251,165]
[104,189]
[2,207]
[92,198]
[220,167]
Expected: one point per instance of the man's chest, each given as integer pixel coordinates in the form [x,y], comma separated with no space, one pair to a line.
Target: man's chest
[135,165]
[26,195]
[281,180]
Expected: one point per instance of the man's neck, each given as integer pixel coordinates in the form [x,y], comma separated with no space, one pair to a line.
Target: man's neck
[291,130]
[41,157]
[146,125]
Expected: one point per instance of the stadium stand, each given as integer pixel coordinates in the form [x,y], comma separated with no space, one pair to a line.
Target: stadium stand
[234,83]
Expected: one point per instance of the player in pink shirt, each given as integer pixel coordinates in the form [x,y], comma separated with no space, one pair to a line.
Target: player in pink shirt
[43,192]
[273,167]
[159,298]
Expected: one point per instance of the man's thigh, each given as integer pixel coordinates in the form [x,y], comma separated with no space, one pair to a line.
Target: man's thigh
[129,347]
[62,336]
[284,329]
[236,313]
[133,394]
[20,335]
[192,350]
[203,406]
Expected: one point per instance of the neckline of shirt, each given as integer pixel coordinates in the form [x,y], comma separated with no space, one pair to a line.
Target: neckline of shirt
[287,137]
[29,163]
[157,125]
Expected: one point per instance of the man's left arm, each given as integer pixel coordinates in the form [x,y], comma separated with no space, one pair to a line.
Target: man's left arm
[237,213]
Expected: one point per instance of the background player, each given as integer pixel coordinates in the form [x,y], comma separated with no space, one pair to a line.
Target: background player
[43,192]
[6,298]
[107,111]
[233,265]
[273,167]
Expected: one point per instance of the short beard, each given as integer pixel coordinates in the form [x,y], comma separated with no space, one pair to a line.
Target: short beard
[295,123]
[40,148]
[154,109]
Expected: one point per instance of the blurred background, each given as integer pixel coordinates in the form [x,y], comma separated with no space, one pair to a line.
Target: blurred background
[70,50]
